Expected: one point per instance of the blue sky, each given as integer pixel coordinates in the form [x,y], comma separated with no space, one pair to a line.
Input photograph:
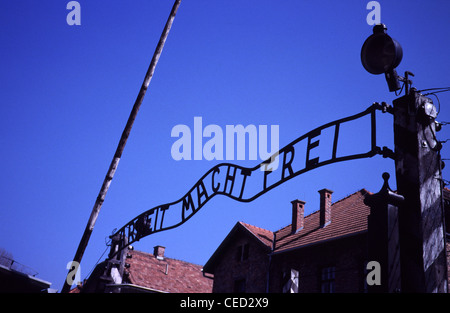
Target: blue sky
[66,93]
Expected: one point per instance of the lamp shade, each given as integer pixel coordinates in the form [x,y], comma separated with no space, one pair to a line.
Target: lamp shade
[380,53]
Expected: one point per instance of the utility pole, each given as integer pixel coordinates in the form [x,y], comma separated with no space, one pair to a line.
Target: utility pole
[118,154]
[421,215]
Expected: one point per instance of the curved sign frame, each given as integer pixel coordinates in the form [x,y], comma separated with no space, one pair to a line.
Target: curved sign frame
[246,184]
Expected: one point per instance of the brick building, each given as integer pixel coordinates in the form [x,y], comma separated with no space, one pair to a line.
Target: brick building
[147,273]
[326,251]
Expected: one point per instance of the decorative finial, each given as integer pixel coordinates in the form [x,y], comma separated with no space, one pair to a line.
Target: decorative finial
[386,177]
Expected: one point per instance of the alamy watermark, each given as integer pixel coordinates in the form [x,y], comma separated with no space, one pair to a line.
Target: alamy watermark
[74,16]
[74,275]
[374,16]
[374,276]
[236,140]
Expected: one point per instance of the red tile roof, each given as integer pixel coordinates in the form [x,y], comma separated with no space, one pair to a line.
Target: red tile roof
[348,216]
[166,275]
[77,289]
[263,235]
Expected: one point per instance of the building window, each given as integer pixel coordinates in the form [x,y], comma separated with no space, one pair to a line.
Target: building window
[239,285]
[290,281]
[327,279]
[242,253]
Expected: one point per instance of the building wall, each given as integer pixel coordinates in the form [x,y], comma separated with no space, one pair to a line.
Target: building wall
[448,264]
[348,256]
[249,273]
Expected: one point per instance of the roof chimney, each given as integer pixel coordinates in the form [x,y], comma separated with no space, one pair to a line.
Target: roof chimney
[325,207]
[298,213]
[158,252]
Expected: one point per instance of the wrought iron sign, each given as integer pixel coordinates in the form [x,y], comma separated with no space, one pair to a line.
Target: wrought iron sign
[246,184]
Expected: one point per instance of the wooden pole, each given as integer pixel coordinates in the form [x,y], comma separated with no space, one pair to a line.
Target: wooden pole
[115,161]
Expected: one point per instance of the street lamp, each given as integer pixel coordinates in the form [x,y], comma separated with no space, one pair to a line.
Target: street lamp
[380,54]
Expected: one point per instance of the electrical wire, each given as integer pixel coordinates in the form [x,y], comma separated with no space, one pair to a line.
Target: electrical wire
[96,263]
[431,93]
[108,244]
[439,88]
[439,102]
[434,92]
[400,92]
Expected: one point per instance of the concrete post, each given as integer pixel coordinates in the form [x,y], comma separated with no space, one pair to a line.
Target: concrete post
[417,164]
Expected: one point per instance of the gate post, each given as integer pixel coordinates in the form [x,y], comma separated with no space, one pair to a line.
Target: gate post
[417,166]
[383,237]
